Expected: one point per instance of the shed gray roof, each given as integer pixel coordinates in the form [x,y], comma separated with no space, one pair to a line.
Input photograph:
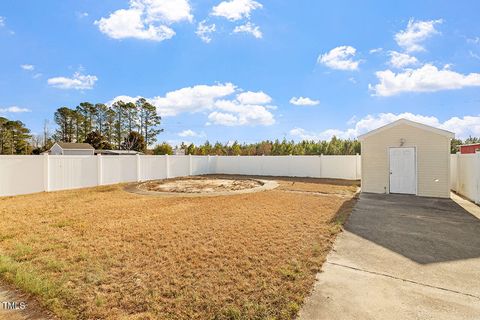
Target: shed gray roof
[75,146]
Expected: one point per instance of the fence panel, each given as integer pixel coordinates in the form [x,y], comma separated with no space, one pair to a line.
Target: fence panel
[340,167]
[305,166]
[453,172]
[468,176]
[248,165]
[200,165]
[21,174]
[72,172]
[179,166]
[153,167]
[29,174]
[117,169]
[275,165]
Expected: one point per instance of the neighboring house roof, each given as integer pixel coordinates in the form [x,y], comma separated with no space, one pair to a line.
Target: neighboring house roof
[74,146]
[118,152]
[411,123]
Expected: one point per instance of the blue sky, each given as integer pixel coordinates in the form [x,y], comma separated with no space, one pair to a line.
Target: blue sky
[247,70]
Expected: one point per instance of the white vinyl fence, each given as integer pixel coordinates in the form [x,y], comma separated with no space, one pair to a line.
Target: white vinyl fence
[29,174]
[465,175]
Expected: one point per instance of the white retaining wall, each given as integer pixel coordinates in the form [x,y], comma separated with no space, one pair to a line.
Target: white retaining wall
[465,175]
[30,174]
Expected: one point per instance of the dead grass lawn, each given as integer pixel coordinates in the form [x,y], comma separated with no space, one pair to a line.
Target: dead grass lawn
[108,254]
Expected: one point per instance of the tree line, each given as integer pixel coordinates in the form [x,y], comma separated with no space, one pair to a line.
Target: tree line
[135,126]
[131,125]
[335,146]
[14,137]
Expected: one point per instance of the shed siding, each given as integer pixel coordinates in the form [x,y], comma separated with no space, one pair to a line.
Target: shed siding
[56,150]
[433,160]
[71,152]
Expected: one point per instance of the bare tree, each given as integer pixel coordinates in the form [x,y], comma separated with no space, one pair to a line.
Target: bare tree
[46,133]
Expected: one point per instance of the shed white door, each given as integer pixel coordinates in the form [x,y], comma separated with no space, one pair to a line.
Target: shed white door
[403,171]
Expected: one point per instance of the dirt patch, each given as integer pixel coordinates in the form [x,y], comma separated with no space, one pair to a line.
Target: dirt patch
[17,305]
[199,185]
[103,253]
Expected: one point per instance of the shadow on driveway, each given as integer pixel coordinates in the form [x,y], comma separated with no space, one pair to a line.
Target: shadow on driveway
[425,230]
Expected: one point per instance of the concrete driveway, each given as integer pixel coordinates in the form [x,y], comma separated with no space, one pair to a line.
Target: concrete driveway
[402,257]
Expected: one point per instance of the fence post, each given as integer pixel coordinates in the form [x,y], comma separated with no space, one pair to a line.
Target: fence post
[190,169]
[262,165]
[477,166]
[358,167]
[46,172]
[209,170]
[167,166]
[290,160]
[99,169]
[239,165]
[139,172]
[321,165]
[458,184]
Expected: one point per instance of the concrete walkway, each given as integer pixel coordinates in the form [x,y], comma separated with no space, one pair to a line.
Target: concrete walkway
[402,257]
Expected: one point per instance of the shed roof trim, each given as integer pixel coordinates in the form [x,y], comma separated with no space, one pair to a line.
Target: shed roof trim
[410,123]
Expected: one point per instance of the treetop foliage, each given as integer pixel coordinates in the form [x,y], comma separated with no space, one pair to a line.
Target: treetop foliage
[113,127]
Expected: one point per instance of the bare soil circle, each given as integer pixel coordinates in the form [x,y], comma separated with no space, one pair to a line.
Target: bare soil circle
[196,186]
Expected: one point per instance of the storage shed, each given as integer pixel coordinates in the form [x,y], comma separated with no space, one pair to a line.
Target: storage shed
[71,149]
[406,157]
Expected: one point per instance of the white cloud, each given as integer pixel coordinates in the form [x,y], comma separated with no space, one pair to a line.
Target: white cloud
[304,101]
[27,67]
[224,119]
[427,78]
[2,21]
[167,10]
[82,15]
[474,55]
[401,60]
[78,82]
[340,58]
[415,34]
[204,31]
[375,50]
[234,113]
[475,40]
[249,28]
[247,108]
[146,19]
[462,127]
[235,9]
[250,97]
[192,99]
[14,109]
[190,133]
[303,134]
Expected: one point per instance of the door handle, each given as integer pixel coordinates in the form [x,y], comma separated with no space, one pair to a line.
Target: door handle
[391,172]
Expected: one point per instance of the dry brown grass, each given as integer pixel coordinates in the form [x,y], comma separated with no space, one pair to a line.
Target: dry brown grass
[105,253]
